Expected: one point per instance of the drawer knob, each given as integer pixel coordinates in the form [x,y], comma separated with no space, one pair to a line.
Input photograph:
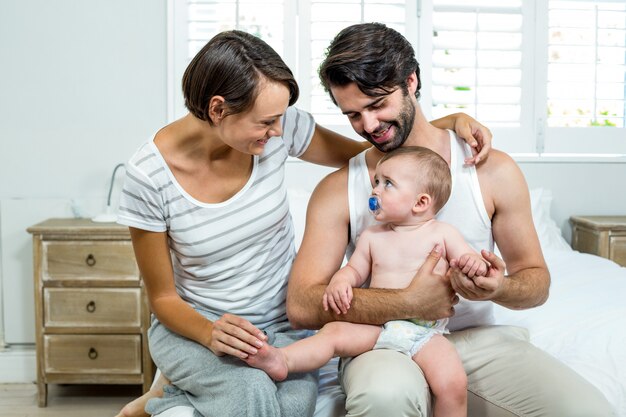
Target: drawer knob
[90,260]
[93,354]
[91,306]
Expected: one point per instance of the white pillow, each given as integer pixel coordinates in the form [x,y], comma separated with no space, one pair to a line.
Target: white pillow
[549,233]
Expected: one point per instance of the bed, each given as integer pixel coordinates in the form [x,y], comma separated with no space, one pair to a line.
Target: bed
[580,324]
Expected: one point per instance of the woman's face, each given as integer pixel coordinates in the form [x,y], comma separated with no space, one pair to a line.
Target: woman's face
[248,132]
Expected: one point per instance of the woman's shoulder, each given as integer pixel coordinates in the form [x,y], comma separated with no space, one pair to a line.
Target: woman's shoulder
[144,157]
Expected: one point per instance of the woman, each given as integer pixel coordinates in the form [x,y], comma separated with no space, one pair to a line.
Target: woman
[206,204]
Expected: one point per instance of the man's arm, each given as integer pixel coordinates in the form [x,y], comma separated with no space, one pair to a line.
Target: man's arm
[528,281]
[321,253]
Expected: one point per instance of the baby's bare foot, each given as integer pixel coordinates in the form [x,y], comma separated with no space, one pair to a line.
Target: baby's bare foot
[136,408]
[271,360]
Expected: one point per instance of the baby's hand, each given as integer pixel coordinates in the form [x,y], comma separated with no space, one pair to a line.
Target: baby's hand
[337,296]
[472,265]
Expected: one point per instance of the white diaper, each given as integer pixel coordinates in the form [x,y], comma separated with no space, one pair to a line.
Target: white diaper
[407,337]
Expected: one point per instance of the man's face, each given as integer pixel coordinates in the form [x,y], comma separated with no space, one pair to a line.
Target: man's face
[385,121]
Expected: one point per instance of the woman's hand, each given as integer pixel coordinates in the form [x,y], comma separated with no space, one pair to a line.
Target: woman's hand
[235,336]
[474,133]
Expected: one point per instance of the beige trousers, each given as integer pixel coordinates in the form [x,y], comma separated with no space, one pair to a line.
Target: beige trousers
[507,377]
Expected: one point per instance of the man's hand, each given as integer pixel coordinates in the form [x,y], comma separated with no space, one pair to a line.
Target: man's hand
[479,288]
[432,292]
[233,335]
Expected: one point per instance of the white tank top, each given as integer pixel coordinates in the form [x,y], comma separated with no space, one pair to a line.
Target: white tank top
[465,210]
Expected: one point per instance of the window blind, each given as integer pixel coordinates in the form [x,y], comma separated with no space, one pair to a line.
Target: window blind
[477,60]
[207,18]
[329,17]
[586,63]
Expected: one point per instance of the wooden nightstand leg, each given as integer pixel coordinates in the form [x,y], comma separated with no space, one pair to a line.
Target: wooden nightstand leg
[42,394]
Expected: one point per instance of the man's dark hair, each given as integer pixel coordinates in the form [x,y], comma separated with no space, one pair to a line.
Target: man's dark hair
[377,58]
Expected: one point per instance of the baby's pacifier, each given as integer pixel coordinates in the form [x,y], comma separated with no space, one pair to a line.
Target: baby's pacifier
[374,204]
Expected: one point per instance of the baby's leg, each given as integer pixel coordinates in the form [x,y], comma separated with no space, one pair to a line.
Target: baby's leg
[445,375]
[136,408]
[334,339]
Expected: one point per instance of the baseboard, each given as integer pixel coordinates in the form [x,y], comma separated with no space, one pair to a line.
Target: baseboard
[18,364]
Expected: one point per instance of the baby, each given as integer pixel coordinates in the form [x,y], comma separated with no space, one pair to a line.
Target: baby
[411,185]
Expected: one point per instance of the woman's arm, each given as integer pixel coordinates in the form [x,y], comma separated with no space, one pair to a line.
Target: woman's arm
[230,334]
[331,149]
[475,134]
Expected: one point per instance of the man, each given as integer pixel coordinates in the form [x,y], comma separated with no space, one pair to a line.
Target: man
[377,87]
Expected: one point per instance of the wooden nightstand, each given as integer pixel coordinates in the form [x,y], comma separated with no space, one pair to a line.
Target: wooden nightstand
[600,235]
[91,310]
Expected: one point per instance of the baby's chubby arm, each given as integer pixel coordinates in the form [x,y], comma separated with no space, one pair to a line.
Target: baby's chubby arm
[470,262]
[338,293]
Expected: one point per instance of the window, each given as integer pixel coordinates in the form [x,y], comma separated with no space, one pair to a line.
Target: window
[298,30]
[547,76]
[476,61]
[586,47]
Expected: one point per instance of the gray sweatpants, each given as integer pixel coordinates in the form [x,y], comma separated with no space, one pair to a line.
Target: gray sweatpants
[224,386]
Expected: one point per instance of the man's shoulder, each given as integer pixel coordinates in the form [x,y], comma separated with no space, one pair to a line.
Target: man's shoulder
[499,168]
[334,182]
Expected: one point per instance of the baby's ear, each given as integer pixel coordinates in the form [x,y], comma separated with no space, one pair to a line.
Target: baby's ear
[422,203]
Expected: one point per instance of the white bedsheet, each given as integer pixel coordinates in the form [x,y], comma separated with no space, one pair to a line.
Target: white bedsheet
[582,322]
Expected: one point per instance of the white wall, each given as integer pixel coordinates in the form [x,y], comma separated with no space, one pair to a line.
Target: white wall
[82,84]
[579,188]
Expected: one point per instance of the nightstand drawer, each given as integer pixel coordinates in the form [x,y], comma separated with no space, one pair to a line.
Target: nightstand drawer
[600,235]
[76,260]
[617,251]
[92,307]
[92,354]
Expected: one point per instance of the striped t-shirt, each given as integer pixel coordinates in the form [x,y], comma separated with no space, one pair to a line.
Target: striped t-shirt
[230,257]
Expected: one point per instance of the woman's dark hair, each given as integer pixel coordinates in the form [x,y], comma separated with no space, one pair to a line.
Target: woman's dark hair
[231,65]
[377,58]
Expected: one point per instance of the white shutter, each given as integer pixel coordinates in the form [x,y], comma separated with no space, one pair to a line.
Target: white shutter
[542,74]
[586,63]
[209,17]
[194,22]
[477,60]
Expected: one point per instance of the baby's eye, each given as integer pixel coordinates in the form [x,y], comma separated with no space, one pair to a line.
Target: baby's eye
[388,183]
[376,181]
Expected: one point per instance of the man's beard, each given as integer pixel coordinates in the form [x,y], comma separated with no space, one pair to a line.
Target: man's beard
[403,126]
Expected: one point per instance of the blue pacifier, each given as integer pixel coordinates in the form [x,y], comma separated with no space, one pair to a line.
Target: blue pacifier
[374,204]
